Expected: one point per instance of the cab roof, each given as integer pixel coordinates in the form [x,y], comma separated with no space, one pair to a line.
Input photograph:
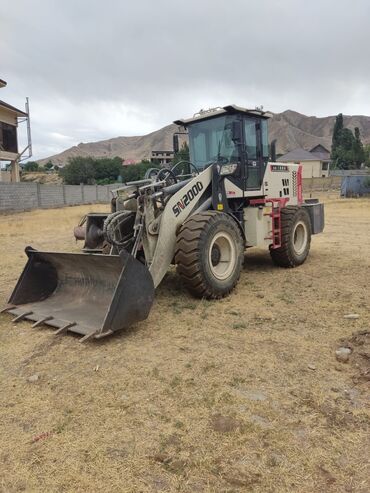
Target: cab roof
[229,110]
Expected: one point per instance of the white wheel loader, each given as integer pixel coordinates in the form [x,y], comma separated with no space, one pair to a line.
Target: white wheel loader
[229,197]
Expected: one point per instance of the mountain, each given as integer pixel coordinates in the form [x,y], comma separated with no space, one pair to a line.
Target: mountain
[129,148]
[290,129]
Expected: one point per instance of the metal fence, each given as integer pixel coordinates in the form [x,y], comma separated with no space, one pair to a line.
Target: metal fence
[355,186]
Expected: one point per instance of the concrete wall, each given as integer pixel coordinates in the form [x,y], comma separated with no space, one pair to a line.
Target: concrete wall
[321,184]
[350,172]
[26,196]
[4,176]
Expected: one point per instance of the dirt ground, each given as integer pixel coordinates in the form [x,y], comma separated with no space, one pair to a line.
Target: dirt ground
[244,394]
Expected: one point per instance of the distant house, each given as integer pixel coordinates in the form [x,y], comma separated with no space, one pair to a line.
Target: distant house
[162,157]
[129,161]
[315,162]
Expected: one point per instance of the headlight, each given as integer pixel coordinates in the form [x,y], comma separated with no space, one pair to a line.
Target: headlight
[228,169]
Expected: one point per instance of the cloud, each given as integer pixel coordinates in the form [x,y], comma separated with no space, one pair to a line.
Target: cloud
[96,70]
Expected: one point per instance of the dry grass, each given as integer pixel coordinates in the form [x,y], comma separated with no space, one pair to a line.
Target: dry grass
[203,396]
[42,177]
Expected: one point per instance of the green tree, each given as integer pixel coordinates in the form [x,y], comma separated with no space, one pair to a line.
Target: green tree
[367,155]
[336,142]
[347,151]
[107,170]
[78,170]
[31,166]
[90,170]
[49,166]
[358,150]
[338,127]
[182,156]
[134,172]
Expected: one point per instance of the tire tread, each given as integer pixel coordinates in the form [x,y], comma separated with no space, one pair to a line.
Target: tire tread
[188,253]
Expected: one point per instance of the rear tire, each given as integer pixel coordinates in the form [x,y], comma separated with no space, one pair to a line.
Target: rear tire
[295,238]
[209,254]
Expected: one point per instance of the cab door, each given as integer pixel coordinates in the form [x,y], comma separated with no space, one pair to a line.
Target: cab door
[254,161]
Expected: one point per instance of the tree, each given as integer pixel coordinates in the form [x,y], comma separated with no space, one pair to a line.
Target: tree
[89,170]
[49,166]
[107,170]
[338,127]
[78,170]
[367,155]
[182,155]
[358,150]
[347,151]
[336,141]
[134,172]
[31,166]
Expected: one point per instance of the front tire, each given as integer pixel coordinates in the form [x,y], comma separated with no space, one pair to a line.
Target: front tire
[209,254]
[295,238]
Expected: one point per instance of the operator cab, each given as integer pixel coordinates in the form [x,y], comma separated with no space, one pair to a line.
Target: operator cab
[234,137]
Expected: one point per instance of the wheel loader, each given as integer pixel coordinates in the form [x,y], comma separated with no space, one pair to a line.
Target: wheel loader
[199,216]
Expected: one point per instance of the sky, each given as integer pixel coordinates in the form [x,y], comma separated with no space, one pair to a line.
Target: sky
[94,70]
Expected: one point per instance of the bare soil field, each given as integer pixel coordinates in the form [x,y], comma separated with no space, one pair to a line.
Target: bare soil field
[242,394]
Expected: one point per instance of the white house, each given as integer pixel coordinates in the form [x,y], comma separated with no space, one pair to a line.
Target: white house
[315,162]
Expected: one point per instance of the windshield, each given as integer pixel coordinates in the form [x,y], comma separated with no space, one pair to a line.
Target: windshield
[211,140]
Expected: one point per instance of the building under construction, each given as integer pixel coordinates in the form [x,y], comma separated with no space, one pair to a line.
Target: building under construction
[10,117]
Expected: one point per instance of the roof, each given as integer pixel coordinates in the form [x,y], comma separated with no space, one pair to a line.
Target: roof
[12,108]
[2,83]
[168,150]
[321,152]
[297,155]
[319,148]
[230,109]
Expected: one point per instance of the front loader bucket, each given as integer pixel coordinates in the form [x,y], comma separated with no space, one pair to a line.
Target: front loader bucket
[90,294]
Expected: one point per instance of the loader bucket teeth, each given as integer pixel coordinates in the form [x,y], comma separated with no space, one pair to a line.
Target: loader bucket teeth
[41,322]
[90,294]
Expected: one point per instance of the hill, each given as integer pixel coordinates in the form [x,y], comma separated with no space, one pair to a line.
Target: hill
[291,129]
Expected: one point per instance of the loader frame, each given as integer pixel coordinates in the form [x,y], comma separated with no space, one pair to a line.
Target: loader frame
[94,294]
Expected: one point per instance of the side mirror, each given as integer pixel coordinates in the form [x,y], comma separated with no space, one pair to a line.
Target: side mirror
[236,131]
[175,143]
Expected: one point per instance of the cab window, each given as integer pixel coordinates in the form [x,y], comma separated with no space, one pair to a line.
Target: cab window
[250,138]
[265,142]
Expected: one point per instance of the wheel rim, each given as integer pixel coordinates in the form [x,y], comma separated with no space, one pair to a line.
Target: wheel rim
[222,255]
[300,237]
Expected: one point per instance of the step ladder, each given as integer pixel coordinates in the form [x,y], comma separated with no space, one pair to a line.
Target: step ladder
[275,223]
[275,215]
